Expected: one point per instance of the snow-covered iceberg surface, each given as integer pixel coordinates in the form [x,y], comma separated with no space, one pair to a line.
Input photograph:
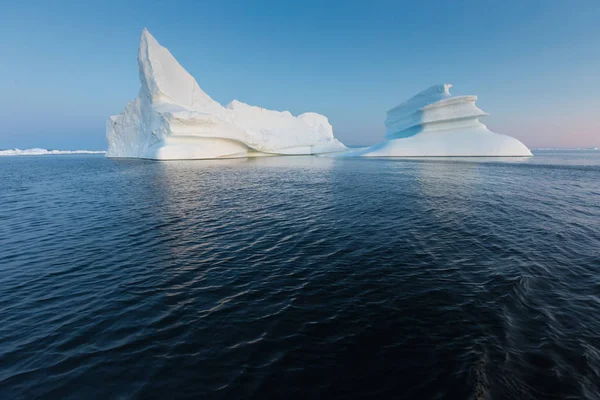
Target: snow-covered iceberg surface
[436,124]
[172,118]
[43,152]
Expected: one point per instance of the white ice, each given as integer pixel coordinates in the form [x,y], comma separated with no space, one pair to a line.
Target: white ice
[172,118]
[42,152]
[436,124]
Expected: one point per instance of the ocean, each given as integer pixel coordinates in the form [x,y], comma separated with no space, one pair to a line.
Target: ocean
[300,278]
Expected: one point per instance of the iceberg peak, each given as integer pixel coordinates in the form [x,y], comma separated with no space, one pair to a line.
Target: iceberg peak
[441,90]
[166,81]
[428,96]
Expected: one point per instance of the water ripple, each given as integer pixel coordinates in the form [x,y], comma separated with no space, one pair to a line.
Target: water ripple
[300,277]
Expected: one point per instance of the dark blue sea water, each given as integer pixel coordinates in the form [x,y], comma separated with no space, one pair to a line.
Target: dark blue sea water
[300,278]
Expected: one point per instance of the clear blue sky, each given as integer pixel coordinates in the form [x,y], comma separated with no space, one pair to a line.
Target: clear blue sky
[65,66]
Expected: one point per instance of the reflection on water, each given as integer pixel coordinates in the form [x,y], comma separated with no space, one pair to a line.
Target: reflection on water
[435,179]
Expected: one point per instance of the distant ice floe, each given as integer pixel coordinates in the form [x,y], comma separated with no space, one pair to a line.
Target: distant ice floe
[172,118]
[565,148]
[44,152]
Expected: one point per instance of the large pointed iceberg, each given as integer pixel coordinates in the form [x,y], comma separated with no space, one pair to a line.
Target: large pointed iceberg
[436,124]
[172,118]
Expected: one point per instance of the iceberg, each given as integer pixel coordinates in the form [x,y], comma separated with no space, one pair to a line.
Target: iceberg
[172,118]
[44,152]
[435,123]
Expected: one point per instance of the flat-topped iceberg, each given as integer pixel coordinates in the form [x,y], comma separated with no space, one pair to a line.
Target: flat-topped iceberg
[172,118]
[436,124]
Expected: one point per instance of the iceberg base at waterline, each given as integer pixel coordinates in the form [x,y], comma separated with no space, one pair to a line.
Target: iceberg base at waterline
[472,142]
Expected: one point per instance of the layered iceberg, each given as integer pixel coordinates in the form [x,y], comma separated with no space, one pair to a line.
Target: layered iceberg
[436,124]
[172,118]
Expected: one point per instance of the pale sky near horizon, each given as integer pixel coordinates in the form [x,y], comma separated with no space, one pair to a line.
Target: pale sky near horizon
[65,66]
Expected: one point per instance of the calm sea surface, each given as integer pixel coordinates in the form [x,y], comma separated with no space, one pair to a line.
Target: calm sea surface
[300,278]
